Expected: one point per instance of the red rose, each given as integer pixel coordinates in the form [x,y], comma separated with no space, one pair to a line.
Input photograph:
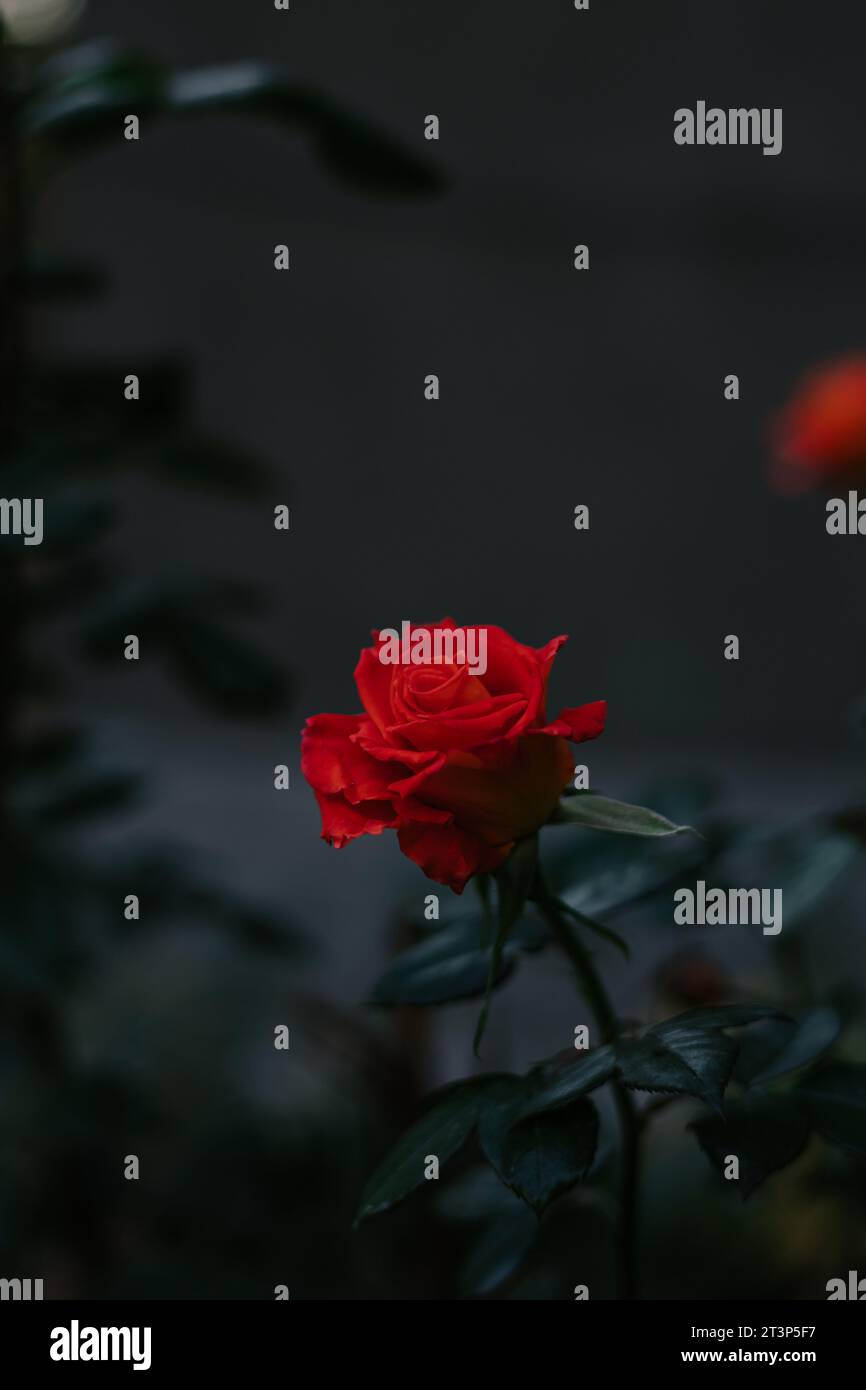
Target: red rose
[460,765]
[820,436]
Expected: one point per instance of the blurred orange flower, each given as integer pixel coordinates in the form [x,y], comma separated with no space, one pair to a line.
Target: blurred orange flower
[820,435]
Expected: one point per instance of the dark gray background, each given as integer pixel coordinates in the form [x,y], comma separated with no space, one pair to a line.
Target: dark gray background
[557,388]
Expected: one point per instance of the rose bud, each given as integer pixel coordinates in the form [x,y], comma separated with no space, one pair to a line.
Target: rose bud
[820,436]
[461,765]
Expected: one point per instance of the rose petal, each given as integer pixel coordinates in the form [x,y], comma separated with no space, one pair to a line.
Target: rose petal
[466,727]
[342,822]
[578,724]
[448,855]
[333,762]
[374,687]
[502,800]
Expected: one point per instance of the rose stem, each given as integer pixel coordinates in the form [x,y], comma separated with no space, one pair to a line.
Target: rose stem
[630,1126]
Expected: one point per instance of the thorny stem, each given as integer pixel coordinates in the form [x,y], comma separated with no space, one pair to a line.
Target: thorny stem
[629,1120]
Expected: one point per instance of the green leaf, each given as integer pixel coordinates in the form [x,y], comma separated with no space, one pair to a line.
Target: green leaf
[598,874]
[363,156]
[817,1031]
[760,1046]
[514,883]
[600,813]
[543,1156]
[764,1132]
[530,934]
[353,148]
[98,87]
[688,1054]
[566,1077]
[224,671]
[176,887]
[86,428]
[85,105]
[835,1098]
[451,964]
[686,1061]
[73,67]
[258,88]
[804,861]
[499,1251]
[720,1016]
[443,1130]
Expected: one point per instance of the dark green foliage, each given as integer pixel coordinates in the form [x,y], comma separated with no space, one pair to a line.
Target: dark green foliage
[797,1045]
[451,1116]
[222,670]
[763,1132]
[543,1156]
[601,813]
[539,1131]
[499,1252]
[453,963]
[835,1101]
[83,100]
[67,950]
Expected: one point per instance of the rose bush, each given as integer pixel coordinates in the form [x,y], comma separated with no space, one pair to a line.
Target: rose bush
[461,766]
[820,436]
[458,756]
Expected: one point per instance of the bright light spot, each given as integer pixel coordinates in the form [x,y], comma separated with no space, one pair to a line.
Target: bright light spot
[38,21]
